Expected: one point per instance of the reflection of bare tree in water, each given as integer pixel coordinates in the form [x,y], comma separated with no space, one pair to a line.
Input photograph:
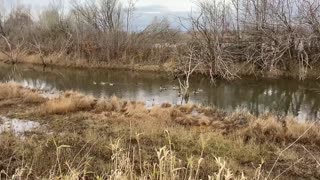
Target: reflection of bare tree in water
[187,67]
[13,73]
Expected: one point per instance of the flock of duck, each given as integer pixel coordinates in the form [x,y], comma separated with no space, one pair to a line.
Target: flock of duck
[162,88]
[176,88]
[103,83]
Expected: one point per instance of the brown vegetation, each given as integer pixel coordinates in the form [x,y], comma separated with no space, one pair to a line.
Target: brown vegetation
[13,91]
[70,102]
[222,39]
[113,138]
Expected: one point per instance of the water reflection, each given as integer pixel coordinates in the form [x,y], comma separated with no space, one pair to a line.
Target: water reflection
[283,96]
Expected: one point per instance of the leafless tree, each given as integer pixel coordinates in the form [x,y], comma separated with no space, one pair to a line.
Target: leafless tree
[188,65]
[129,13]
[269,36]
[209,30]
[12,51]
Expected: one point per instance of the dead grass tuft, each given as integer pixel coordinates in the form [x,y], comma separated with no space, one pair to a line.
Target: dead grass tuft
[187,108]
[14,90]
[10,90]
[103,104]
[272,129]
[136,109]
[166,105]
[164,114]
[115,103]
[33,97]
[70,102]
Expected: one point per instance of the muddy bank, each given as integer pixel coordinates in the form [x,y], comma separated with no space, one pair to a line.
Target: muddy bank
[111,138]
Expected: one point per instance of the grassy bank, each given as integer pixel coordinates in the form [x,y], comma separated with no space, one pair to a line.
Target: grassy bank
[75,62]
[242,69]
[84,137]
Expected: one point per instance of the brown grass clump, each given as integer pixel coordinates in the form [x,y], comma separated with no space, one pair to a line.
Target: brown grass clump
[108,105]
[103,104]
[190,120]
[166,105]
[115,103]
[187,108]
[33,97]
[14,90]
[294,129]
[271,129]
[70,102]
[164,114]
[136,109]
[10,90]
[236,120]
[264,130]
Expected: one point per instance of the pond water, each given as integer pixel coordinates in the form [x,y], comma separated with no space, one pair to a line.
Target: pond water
[280,96]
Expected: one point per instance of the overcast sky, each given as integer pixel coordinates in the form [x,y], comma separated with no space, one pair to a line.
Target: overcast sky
[146,10]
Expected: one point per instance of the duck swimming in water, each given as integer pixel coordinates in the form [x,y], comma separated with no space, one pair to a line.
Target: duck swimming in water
[199,90]
[162,88]
[95,83]
[175,88]
[102,83]
[111,84]
[196,92]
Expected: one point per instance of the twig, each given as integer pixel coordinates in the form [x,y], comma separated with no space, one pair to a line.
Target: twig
[311,155]
[288,168]
[288,147]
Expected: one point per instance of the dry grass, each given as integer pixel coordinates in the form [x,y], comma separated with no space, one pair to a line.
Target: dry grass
[14,90]
[162,113]
[136,109]
[10,90]
[270,129]
[87,125]
[70,102]
[65,162]
[113,104]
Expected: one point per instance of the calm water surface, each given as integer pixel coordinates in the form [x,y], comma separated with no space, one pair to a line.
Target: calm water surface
[281,96]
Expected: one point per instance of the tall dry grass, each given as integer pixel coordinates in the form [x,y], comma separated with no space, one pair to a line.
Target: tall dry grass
[125,163]
[10,90]
[70,102]
[111,104]
[13,90]
[271,129]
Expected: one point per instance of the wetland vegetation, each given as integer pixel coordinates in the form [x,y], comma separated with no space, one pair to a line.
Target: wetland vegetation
[83,137]
[48,131]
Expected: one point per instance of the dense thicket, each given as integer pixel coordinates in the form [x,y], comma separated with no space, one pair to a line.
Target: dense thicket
[269,35]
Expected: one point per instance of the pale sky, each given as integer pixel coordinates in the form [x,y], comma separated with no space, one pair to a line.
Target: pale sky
[146,10]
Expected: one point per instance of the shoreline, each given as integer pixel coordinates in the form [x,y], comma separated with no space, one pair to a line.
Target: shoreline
[84,126]
[83,64]
[71,62]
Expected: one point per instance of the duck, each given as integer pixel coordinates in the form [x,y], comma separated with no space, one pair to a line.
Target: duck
[95,83]
[196,92]
[162,88]
[111,84]
[199,90]
[102,83]
[175,88]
